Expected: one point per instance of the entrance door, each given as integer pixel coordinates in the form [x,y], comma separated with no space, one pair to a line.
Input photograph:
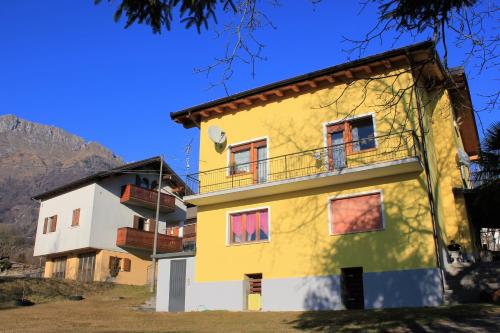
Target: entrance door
[177,290]
[86,267]
[352,288]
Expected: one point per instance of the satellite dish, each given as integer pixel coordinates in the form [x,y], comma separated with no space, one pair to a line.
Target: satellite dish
[217,135]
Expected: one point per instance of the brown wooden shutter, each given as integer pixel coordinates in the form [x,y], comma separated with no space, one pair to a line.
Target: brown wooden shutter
[53,223]
[136,222]
[76,218]
[126,264]
[152,225]
[357,214]
[111,262]
[45,224]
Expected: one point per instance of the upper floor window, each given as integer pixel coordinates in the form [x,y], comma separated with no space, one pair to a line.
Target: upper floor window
[247,227]
[141,182]
[75,221]
[349,137]
[50,224]
[249,158]
[356,214]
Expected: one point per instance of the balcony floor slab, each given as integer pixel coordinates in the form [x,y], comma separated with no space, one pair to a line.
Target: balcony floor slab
[383,169]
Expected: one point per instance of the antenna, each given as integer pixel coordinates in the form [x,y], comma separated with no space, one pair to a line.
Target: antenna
[188,153]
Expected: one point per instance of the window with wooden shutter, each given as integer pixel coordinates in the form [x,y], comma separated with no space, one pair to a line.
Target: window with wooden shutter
[136,222]
[53,223]
[45,225]
[255,283]
[75,221]
[357,214]
[126,265]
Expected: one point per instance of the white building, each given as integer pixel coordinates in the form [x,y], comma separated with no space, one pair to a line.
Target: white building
[101,228]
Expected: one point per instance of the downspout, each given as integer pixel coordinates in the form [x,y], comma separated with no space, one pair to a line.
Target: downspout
[430,193]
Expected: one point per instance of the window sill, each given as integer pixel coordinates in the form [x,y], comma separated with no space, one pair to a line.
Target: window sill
[357,232]
[249,243]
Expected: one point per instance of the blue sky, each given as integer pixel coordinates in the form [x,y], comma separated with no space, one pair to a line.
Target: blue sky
[73,67]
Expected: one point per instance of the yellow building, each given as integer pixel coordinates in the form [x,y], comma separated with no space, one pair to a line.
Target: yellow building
[333,189]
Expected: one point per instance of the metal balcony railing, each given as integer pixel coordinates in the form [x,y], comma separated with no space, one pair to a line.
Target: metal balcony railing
[370,151]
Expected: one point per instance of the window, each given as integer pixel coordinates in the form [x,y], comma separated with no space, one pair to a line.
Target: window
[249,158]
[363,134]
[59,268]
[356,214]
[247,227]
[139,223]
[86,267]
[50,224]
[126,265]
[75,221]
[352,135]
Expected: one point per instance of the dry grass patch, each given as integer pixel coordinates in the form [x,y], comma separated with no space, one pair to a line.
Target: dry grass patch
[104,311]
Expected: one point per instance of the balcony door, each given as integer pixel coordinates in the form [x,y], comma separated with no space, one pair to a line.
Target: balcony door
[336,146]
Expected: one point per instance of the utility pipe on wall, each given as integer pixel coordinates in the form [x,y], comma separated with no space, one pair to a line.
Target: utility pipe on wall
[155,240]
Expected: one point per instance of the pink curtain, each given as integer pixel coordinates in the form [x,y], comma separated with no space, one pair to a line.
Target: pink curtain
[237,221]
[264,225]
[251,226]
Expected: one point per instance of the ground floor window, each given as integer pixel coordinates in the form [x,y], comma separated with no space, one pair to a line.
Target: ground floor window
[357,213]
[86,267]
[247,227]
[59,268]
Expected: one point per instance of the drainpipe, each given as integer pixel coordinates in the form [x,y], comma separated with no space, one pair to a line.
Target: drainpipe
[153,277]
[430,193]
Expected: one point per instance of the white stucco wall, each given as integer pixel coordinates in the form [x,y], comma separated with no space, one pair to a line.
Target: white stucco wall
[101,214]
[109,214]
[66,237]
[227,295]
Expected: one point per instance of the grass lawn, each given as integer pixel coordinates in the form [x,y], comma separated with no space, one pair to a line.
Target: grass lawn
[103,311]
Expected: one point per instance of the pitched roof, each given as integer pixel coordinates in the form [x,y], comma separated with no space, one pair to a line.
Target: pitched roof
[153,161]
[186,116]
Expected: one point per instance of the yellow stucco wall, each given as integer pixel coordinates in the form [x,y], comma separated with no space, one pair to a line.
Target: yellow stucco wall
[443,144]
[296,124]
[300,243]
[140,267]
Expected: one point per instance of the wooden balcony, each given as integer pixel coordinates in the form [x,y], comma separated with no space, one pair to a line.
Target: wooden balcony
[137,196]
[189,230]
[127,237]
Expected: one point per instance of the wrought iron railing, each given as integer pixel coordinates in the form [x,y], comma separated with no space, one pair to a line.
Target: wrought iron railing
[335,158]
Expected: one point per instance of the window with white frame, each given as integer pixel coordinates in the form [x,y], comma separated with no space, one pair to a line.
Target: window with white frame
[249,226]
[359,213]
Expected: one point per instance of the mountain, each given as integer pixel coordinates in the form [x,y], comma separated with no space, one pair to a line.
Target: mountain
[35,158]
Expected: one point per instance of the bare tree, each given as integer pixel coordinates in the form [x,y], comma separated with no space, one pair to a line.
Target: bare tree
[468,25]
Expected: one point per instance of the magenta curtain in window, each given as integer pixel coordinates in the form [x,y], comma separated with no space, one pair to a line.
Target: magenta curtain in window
[251,226]
[264,225]
[237,221]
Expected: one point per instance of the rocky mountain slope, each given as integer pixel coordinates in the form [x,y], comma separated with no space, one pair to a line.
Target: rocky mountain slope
[35,158]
